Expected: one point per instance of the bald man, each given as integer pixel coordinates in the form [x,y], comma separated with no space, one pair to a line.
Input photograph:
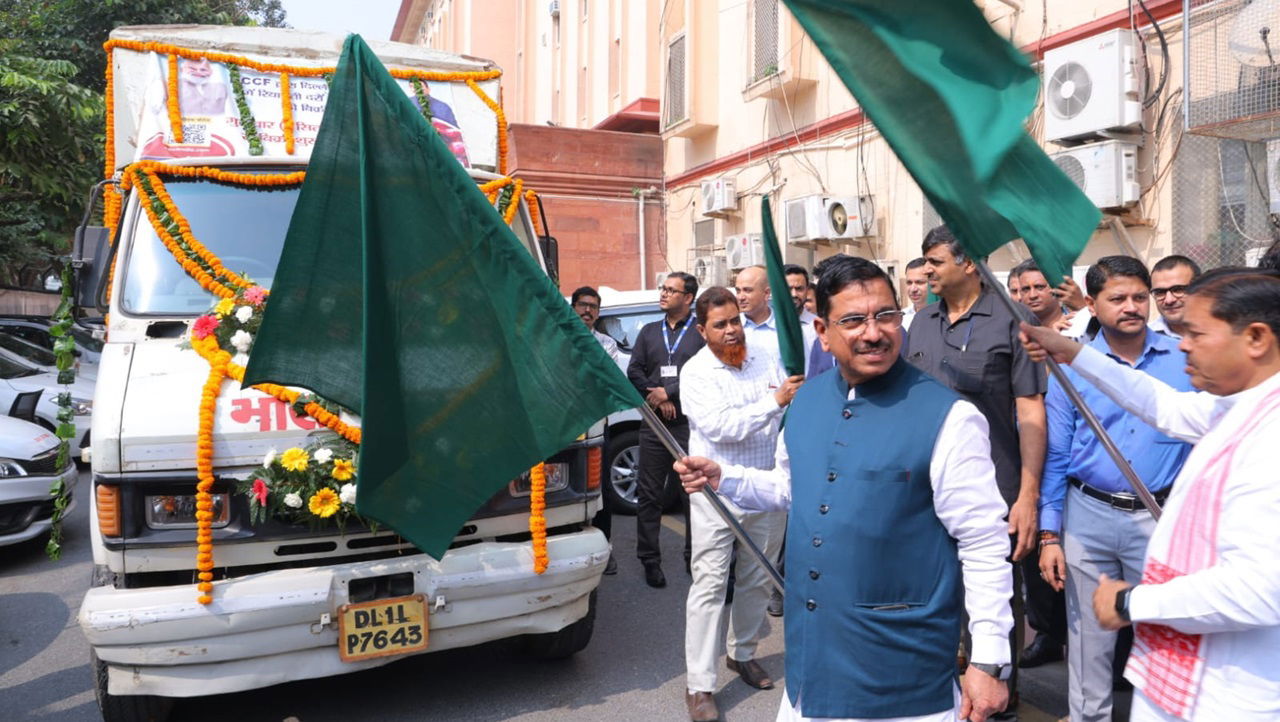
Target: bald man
[752,287]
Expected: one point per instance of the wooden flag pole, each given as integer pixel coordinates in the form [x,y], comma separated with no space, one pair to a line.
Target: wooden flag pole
[1148,500]
[673,447]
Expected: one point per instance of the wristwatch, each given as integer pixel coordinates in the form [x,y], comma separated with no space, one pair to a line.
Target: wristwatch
[1001,672]
[1122,603]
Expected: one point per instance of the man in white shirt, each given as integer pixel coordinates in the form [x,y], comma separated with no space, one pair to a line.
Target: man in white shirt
[896,525]
[1207,612]
[798,284]
[916,278]
[752,287]
[1170,278]
[734,398]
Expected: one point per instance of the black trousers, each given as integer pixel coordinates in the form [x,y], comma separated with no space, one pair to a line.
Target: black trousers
[1046,609]
[655,477]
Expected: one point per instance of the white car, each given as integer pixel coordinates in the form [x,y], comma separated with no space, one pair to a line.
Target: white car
[42,357]
[18,376]
[28,461]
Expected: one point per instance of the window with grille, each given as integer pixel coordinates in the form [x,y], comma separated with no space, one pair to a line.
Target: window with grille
[1221,200]
[764,39]
[676,74]
[704,233]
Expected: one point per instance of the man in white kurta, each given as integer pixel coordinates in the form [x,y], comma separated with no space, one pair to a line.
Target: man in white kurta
[1207,613]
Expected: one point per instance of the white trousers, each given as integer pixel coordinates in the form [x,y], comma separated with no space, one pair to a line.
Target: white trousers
[713,543]
[788,713]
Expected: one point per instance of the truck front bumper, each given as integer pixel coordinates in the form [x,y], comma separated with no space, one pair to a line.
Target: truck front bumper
[281,626]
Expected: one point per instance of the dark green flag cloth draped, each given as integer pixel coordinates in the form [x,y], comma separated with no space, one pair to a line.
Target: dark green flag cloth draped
[950,97]
[401,293]
[790,340]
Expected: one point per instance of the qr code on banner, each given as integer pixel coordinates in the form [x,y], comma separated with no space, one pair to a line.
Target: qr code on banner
[195,134]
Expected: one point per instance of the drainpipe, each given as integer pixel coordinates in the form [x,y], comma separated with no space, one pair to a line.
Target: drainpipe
[641,195]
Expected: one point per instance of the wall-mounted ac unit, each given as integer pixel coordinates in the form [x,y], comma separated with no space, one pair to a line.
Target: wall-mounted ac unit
[1107,172]
[719,197]
[1273,174]
[555,8]
[710,270]
[1091,86]
[744,250]
[820,218]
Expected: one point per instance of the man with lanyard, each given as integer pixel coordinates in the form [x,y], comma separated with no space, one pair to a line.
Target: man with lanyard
[969,341]
[1170,278]
[735,399]
[1090,521]
[895,525]
[660,350]
[1207,611]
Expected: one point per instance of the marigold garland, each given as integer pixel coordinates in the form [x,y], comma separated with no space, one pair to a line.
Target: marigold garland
[184,258]
[502,123]
[513,205]
[531,200]
[175,109]
[538,516]
[286,112]
[218,360]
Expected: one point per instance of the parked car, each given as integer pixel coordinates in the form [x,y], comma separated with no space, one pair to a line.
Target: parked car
[41,357]
[622,315]
[36,330]
[28,469]
[19,376]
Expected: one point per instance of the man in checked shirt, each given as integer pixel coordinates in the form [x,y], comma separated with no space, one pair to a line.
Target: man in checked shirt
[734,398]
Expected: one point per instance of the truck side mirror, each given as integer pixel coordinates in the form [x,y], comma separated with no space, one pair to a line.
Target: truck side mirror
[90,264]
[551,254]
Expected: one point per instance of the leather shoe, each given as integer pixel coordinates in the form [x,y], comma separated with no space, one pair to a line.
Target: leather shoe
[751,672]
[775,604]
[612,567]
[1041,651]
[653,575]
[702,706]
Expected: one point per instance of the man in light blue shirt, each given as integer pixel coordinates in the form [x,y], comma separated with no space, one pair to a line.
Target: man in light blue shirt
[1091,522]
[752,286]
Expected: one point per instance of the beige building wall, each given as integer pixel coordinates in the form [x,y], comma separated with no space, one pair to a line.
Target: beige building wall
[797,131]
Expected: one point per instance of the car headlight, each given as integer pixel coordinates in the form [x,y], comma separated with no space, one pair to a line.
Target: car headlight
[82,407]
[9,467]
[557,479]
[178,511]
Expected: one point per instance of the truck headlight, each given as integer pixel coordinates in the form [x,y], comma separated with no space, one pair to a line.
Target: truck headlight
[82,407]
[557,479]
[9,468]
[171,511]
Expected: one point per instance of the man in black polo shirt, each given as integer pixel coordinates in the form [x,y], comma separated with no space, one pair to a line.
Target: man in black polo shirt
[660,351]
[969,341]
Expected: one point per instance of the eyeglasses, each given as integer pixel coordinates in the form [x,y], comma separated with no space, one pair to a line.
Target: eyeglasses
[587,306]
[1175,291]
[857,322]
[669,291]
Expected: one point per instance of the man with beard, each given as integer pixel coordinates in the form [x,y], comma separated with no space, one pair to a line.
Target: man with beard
[1207,611]
[586,303]
[917,291]
[798,284]
[895,524]
[734,398]
[1091,523]
[660,350]
[1170,278]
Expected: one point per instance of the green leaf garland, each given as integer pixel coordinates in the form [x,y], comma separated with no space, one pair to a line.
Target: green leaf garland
[247,122]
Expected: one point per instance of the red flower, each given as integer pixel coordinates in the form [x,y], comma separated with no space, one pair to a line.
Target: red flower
[255,295]
[260,491]
[204,326]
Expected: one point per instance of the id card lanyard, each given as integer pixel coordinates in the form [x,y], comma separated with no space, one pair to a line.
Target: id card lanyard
[669,369]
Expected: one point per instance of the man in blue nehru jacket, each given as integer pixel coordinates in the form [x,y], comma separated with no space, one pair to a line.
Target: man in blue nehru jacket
[895,525]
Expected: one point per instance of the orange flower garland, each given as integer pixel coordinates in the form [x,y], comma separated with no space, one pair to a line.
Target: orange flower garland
[222,176]
[175,110]
[538,516]
[502,124]
[286,109]
[531,200]
[218,360]
[514,205]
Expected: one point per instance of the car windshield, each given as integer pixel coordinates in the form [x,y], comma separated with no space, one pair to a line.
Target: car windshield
[13,369]
[27,350]
[624,327]
[85,339]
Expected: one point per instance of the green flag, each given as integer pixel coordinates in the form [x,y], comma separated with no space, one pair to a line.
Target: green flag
[403,294]
[950,96]
[790,340]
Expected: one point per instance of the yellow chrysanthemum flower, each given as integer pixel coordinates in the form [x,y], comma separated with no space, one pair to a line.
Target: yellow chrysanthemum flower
[343,469]
[294,459]
[224,307]
[324,503]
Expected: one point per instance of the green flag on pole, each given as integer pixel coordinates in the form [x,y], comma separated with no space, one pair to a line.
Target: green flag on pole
[403,294]
[950,96]
[790,339]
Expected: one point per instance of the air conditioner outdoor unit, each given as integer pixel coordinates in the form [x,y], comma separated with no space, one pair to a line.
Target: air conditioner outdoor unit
[710,271]
[1091,86]
[744,250]
[1273,174]
[1106,172]
[719,197]
[828,218]
[555,8]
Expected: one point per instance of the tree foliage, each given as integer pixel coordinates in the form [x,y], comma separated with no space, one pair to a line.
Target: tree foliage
[52,77]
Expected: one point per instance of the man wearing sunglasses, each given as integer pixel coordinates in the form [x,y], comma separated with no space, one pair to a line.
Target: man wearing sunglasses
[1169,280]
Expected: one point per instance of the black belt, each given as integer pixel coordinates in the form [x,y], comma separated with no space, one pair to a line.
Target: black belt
[1123,502]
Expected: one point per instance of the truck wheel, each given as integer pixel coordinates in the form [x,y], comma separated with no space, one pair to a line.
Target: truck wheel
[566,642]
[622,473]
[126,708]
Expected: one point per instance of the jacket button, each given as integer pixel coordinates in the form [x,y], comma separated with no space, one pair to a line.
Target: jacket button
[814,574]
[817,541]
[811,605]
[846,413]
[823,509]
[831,476]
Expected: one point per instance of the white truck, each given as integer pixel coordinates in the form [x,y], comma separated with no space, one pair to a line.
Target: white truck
[280,589]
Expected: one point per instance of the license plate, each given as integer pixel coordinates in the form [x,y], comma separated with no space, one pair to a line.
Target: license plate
[382,627]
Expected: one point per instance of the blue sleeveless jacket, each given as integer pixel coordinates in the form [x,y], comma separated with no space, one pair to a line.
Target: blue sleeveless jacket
[874,592]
